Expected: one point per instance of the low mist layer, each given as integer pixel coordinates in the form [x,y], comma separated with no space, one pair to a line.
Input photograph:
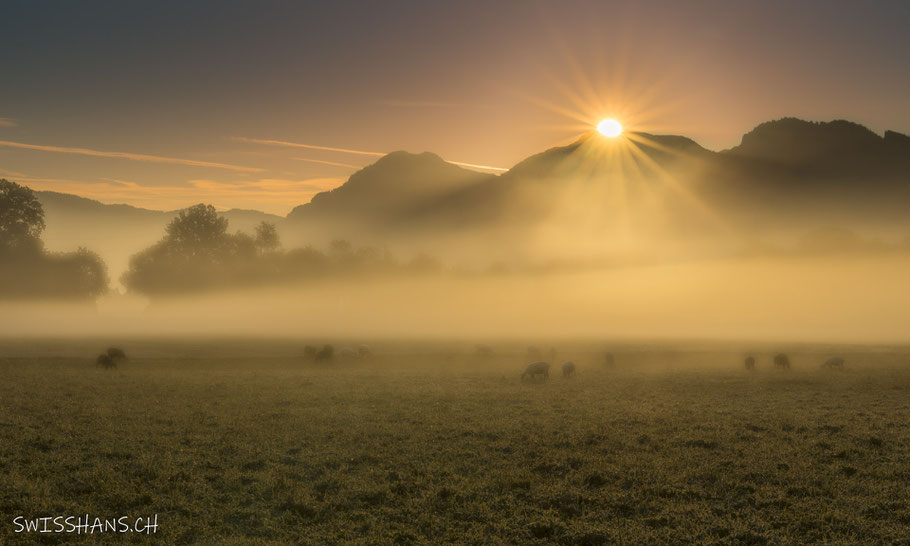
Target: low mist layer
[795,298]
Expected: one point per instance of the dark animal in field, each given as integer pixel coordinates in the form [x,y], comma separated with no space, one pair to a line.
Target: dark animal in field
[609,361]
[116,353]
[536,370]
[309,352]
[568,369]
[364,351]
[484,351]
[105,361]
[834,363]
[782,361]
[327,353]
[534,353]
[750,363]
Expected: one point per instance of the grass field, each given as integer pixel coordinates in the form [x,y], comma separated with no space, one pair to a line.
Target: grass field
[245,443]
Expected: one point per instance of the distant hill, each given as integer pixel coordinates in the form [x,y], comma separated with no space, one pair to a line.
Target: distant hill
[380,196]
[824,146]
[839,171]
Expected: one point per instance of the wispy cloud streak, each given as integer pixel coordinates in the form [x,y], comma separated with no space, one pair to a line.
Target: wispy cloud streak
[307,146]
[127,155]
[348,165]
[473,166]
[287,144]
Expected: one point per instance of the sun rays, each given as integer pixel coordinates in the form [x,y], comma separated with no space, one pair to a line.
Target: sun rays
[616,108]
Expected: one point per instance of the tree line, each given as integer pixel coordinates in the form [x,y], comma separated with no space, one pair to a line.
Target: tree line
[27,270]
[197,253]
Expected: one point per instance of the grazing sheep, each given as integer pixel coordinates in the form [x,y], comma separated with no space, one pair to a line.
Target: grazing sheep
[568,369]
[536,370]
[348,353]
[105,361]
[325,354]
[750,363]
[782,361]
[609,360]
[116,354]
[309,352]
[364,351]
[534,353]
[834,363]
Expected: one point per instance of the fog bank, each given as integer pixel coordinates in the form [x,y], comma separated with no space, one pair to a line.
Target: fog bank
[856,300]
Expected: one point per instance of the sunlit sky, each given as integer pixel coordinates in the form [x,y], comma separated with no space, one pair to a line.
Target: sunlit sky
[165,104]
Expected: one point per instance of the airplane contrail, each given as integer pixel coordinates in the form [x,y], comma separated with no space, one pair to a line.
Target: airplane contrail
[327,162]
[308,146]
[127,155]
[486,167]
[287,144]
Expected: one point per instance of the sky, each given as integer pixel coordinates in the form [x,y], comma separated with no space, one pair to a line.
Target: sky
[259,105]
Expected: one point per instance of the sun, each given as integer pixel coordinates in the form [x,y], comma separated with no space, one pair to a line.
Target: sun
[610,128]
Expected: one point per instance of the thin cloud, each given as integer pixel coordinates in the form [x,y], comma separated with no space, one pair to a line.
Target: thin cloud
[8,122]
[127,155]
[267,186]
[287,144]
[307,146]
[327,162]
[473,166]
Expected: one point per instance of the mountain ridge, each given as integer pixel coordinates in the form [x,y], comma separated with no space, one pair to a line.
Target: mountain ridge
[783,171]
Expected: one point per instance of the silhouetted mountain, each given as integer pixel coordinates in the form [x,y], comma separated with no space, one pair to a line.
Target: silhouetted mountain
[391,184]
[575,182]
[595,155]
[822,147]
[838,170]
[785,174]
[381,195]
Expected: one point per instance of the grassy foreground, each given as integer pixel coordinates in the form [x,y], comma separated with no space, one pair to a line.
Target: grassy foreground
[423,446]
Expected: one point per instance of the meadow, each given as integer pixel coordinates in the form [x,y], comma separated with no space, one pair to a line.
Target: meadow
[244,442]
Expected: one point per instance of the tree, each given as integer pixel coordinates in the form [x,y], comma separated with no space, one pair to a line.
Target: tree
[21,218]
[26,270]
[197,230]
[341,247]
[267,239]
[89,272]
[195,254]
